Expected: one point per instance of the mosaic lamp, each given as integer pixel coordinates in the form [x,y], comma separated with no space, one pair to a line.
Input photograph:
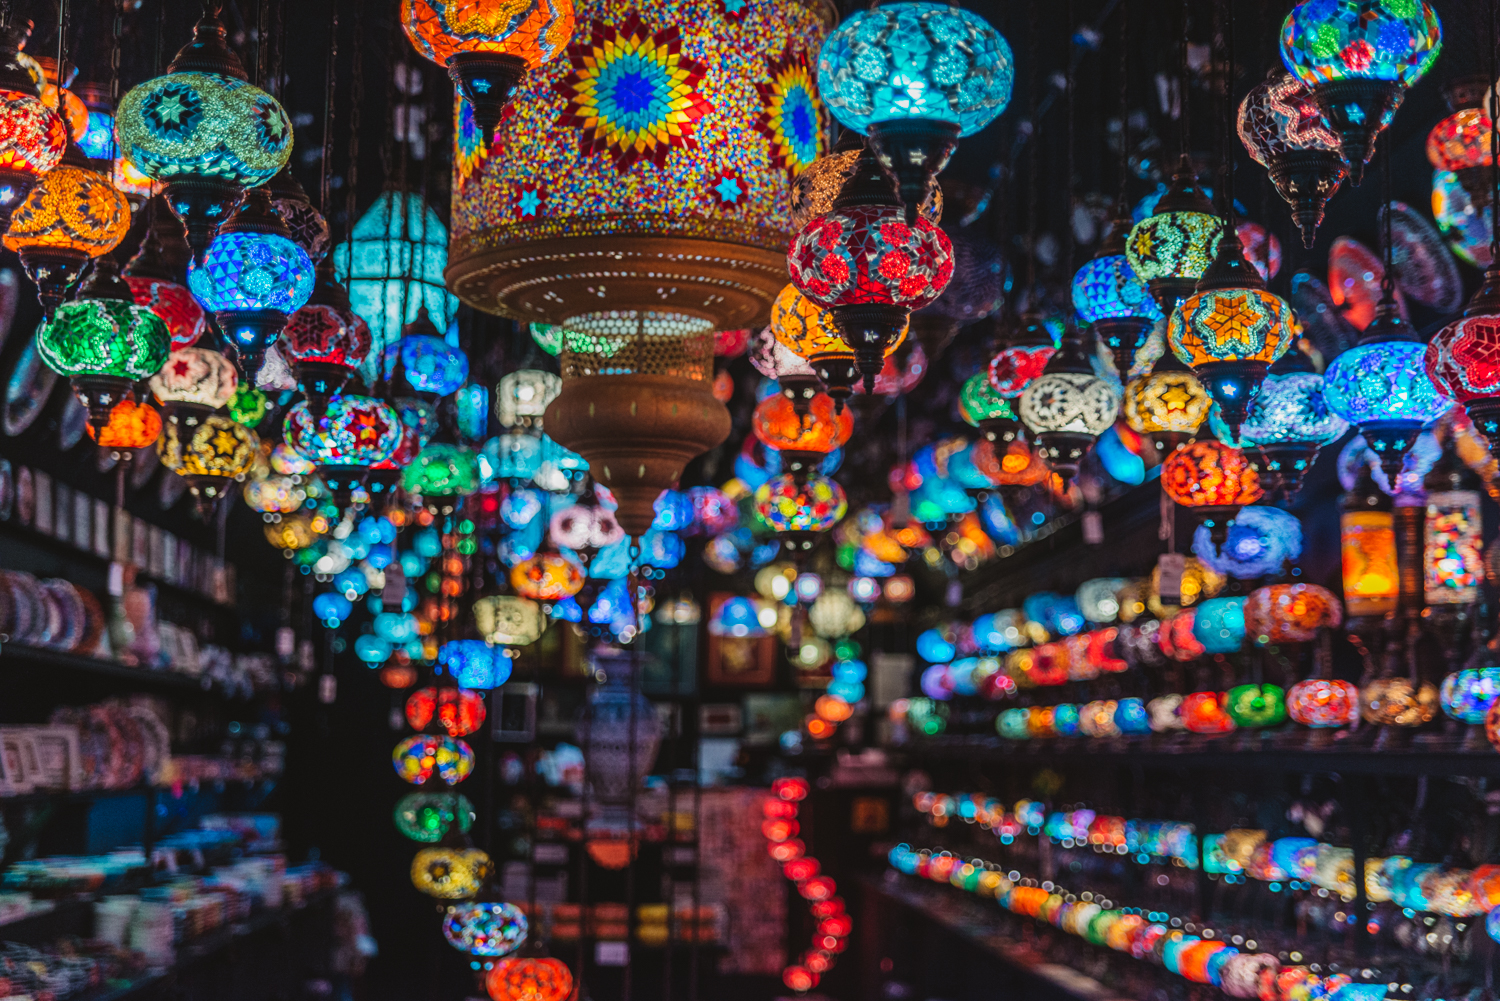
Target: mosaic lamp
[1213,481]
[642,145]
[428,817]
[131,426]
[1068,406]
[71,215]
[637,406]
[1381,386]
[916,77]
[252,278]
[308,227]
[779,363]
[1108,296]
[981,407]
[1288,424]
[1023,354]
[1167,404]
[1171,248]
[211,455]
[352,434]
[1357,58]
[324,341]
[203,131]
[33,137]
[810,332]
[547,576]
[484,929]
[103,342]
[193,383]
[799,513]
[157,276]
[1230,330]
[869,267]
[1282,128]
[531,978]
[804,441]
[441,473]
[488,46]
[521,397]
[1459,363]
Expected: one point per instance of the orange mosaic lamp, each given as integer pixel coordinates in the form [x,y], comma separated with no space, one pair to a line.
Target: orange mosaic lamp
[536,978]
[488,45]
[32,136]
[1016,466]
[808,330]
[1212,480]
[131,426]
[804,440]
[547,576]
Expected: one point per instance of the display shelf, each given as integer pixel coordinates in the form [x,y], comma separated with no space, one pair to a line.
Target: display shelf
[1229,753]
[980,926]
[16,657]
[60,796]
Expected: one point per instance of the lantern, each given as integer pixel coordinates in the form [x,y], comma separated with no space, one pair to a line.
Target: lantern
[1452,561]
[131,426]
[915,77]
[1357,59]
[982,407]
[798,512]
[1367,541]
[804,440]
[834,615]
[194,382]
[450,873]
[210,455]
[418,758]
[1204,712]
[392,265]
[1467,695]
[809,331]
[324,341]
[529,979]
[774,360]
[204,131]
[1282,128]
[1168,404]
[521,398]
[1213,480]
[1290,613]
[869,267]
[1108,296]
[1230,330]
[487,47]
[32,136]
[103,342]
[441,472]
[292,534]
[458,711]
[156,276]
[252,278]
[546,576]
[509,621]
[1322,703]
[1381,384]
[72,215]
[1219,625]
[1022,358]
[1260,542]
[1458,363]
[308,227]
[355,433]
[1172,248]
[484,929]
[428,363]
[1067,407]
[1398,702]
[428,817]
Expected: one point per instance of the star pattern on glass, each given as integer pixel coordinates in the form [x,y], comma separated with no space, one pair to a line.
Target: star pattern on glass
[529,201]
[728,189]
[792,116]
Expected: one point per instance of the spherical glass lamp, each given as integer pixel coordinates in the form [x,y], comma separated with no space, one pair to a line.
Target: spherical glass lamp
[308,227]
[1108,296]
[442,472]
[131,426]
[353,434]
[193,383]
[493,930]
[1230,330]
[204,131]
[1382,386]
[521,397]
[428,817]
[916,77]
[253,276]
[33,137]
[1260,542]
[487,47]
[428,364]
[211,455]
[450,873]
[981,407]
[536,978]
[103,342]
[157,277]
[1282,128]
[804,440]
[1461,363]
[1068,407]
[1358,58]
[71,215]
[870,267]
[798,512]
[547,576]
[1291,613]
[1323,703]
[1213,480]
[324,341]
[809,332]
[1170,249]
[1168,404]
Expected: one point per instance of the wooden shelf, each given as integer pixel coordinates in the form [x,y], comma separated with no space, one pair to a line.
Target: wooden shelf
[14,656]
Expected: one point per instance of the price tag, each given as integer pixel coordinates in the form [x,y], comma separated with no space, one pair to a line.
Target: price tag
[286,642]
[611,953]
[1170,567]
[550,853]
[328,689]
[116,586]
[1093,528]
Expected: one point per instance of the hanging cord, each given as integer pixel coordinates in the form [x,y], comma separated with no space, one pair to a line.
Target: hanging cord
[1124,104]
[62,49]
[1388,279]
[114,67]
[279,52]
[1071,241]
[1032,84]
[1183,87]
[1226,12]
[1494,60]
[262,65]
[330,107]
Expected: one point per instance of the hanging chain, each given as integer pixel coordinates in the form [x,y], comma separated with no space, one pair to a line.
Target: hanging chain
[62,50]
[330,107]
[114,67]
[1227,10]
[1068,71]
[1388,279]
[1032,85]
[1494,60]
[1124,102]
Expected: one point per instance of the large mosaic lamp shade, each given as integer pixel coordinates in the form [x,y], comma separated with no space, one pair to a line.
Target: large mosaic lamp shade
[1230,330]
[32,135]
[1358,57]
[869,267]
[73,214]
[103,342]
[1111,298]
[1170,249]
[638,406]
[645,178]
[204,131]
[488,46]
[1463,359]
[1282,128]
[1381,386]
[252,279]
[915,77]
[1068,406]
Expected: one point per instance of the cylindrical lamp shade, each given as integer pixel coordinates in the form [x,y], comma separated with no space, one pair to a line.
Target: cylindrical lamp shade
[1368,542]
[682,193]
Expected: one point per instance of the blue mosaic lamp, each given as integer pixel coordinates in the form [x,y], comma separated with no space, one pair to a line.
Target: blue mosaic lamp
[1358,57]
[1220,625]
[252,279]
[915,77]
[1111,298]
[1381,385]
[1260,542]
[429,365]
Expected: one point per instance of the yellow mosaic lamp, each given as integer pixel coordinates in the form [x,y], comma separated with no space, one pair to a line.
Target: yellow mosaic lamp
[672,213]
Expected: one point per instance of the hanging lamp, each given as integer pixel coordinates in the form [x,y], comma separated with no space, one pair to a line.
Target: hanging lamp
[1111,298]
[157,276]
[1282,128]
[1167,405]
[1172,248]
[1068,406]
[32,136]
